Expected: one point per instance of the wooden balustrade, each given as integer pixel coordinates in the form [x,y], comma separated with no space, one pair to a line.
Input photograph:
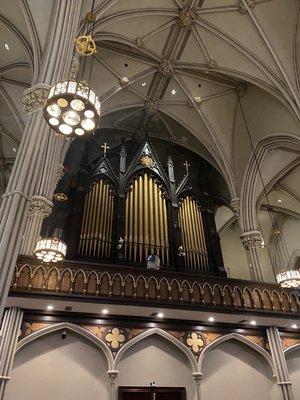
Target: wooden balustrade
[135,285]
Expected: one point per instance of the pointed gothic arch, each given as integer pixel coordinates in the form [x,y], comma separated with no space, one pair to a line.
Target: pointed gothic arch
[165,335]
[239,338]
[73,329]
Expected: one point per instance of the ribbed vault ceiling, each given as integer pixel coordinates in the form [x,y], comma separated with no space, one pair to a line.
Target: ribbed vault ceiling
[195,71]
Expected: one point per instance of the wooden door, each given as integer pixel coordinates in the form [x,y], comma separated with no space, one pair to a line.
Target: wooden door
[151,393]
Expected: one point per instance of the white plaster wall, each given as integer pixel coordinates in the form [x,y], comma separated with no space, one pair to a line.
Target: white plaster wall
[234,255]
[54,369]
[235,372]
[154,359]
[293,363]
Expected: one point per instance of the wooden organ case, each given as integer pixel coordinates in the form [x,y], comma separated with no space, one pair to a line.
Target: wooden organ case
[131,210]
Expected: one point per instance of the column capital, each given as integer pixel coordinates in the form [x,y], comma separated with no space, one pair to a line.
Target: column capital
[252,239]
[113,374]
[40,206]
[197,376]
[34,98]
[235,205]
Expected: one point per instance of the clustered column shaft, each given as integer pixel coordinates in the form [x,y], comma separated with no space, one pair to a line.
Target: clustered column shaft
[280,366]
[9,337]
[37,148]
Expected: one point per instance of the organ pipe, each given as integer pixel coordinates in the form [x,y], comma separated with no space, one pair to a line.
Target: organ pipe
[146,221]
[194,245]
[96,230]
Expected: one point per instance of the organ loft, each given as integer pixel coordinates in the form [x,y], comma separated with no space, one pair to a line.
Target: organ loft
[137,199]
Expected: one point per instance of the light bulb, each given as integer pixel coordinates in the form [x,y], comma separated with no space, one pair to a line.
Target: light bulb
[71,118]
[79,131]
[77,105]
[54,110]
[88,124]
[53,121]
[89,114]
[62,102]
[65,129]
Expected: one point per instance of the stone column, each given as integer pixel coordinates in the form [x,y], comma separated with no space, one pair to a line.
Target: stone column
[280,366]
[38,143]
[113,375]
[10,331]
[197,376]
[253,242]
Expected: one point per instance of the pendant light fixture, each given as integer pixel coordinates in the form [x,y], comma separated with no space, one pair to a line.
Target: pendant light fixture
[50,248]
[72,107]
[287,277]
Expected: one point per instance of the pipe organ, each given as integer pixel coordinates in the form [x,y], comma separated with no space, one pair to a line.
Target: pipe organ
[96,230]
[146,225]
[193,236]
[127,207]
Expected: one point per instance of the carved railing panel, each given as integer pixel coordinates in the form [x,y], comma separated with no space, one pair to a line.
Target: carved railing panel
[114,283]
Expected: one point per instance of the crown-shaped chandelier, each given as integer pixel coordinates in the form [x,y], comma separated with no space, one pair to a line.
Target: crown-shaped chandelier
[72,107]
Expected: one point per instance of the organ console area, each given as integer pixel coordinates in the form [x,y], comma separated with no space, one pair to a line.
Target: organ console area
[137,200]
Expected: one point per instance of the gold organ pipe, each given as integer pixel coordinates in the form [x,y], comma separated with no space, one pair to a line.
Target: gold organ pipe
[186,246]
[191,239]
[140,206]
[136,216]
[204,242]
[96,231]
[193,223]
[83,226]
[126,224]
[162,228]
[100,222]
[151,216]
[87,236]
[103,220]
[90,227]
[104,217]
[88,250]
[99,216]
[156,219]
[130,240]
[106,224]
[200,239]
[111,215]
[166,229]
[94,221]
[198,234]
[146,211]
[188,242]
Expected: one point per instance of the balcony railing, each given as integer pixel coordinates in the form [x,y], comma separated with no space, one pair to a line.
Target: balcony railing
[118,283]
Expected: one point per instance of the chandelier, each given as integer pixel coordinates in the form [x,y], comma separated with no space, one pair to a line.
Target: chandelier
[289,278]
[50,250]
[72,107]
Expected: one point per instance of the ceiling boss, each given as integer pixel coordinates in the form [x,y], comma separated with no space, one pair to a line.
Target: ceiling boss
[72,107]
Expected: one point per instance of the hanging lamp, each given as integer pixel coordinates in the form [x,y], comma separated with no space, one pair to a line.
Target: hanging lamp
[50,250]
[287,277]
[72,108]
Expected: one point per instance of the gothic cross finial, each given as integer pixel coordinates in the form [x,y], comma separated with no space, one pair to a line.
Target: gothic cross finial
[187,166]
[105,147]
